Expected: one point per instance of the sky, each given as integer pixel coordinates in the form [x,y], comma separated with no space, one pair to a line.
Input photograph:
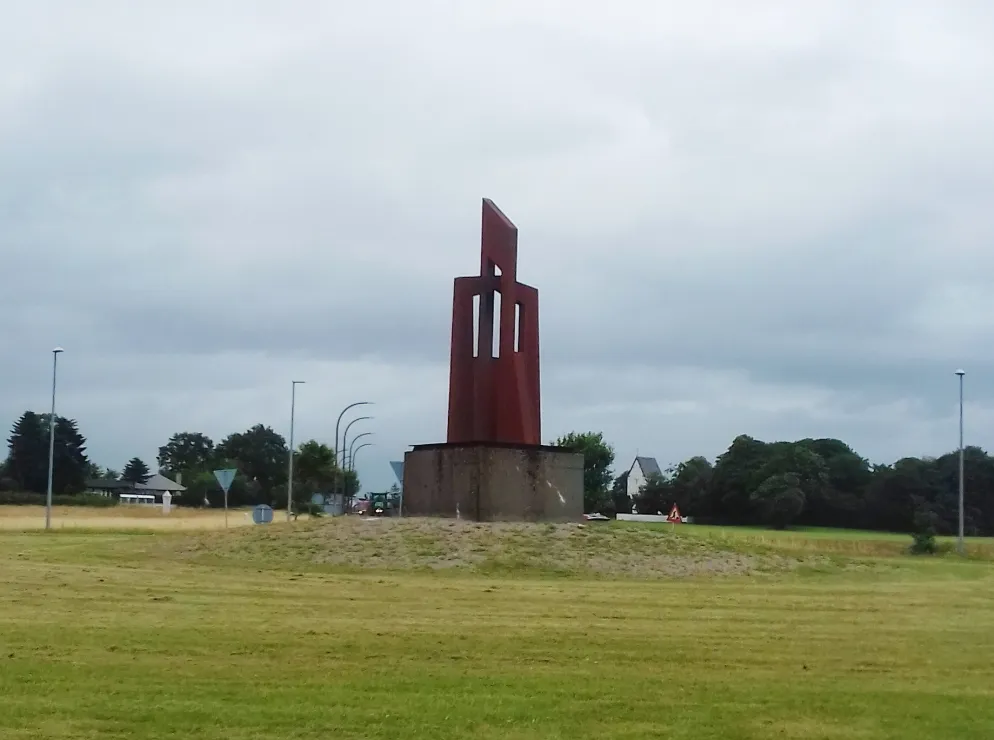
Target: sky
[764,218]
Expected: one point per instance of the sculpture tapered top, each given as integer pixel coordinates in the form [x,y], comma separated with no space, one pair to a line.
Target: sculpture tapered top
[494,385]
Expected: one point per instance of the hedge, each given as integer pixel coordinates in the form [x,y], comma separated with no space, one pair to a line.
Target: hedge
[25,498]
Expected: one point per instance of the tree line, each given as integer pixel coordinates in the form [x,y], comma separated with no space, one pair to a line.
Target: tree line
[810,482]
[260,455]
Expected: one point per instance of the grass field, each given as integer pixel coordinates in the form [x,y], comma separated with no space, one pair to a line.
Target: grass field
[390,629]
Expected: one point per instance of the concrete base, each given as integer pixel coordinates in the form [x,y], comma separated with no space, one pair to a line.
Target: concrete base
[493,482]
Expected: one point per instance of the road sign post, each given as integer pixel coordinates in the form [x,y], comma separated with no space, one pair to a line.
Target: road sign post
[224,479]
[398,470]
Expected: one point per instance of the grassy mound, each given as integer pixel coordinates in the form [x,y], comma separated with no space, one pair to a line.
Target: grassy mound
[441,544]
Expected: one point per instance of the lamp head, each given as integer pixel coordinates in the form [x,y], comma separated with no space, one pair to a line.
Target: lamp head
[57,350]
[961,373]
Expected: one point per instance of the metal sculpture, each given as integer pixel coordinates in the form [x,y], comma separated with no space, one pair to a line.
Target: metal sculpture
[494,386]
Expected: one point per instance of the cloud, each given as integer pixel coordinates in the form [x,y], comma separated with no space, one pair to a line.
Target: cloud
[771,221]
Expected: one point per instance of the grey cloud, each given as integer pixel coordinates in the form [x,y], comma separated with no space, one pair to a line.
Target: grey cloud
[792,198]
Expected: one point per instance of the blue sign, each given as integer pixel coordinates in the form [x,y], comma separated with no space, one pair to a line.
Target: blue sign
[317,499]
[224,477]
[262,514]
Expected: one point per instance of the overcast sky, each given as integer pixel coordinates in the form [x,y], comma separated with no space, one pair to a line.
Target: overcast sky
[771,218]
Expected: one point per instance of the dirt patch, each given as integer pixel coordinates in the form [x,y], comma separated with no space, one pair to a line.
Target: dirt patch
[121,518]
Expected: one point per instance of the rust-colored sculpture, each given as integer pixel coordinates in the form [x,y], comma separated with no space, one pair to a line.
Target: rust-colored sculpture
[494,395]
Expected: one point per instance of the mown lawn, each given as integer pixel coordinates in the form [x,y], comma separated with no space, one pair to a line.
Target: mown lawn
[108,636]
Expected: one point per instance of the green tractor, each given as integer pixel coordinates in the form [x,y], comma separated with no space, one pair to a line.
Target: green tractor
[379,505]
[383,504]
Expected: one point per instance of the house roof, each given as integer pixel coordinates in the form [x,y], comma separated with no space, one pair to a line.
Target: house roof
[107,484]
[648,465]
[159,482]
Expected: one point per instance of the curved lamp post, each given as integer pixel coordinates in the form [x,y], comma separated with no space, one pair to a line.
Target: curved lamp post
[352,461]
[349,467]
[354,452]
[352,448]
[338,449]
[339,452]
[345,435]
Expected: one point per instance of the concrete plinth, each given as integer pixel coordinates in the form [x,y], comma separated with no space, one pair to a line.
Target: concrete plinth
[493,482]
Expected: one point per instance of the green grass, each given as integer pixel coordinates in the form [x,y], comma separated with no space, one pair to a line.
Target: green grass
[271,633]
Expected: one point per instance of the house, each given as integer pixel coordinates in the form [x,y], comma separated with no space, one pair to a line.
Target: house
[108,486]
[639,473]
[149,492]
[157,485]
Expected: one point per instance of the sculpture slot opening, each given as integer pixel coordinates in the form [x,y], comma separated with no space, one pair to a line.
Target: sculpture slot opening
[476,326]
[517,327]
[495,349]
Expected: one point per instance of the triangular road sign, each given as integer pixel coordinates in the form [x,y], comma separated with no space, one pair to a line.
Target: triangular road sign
[398,470]
[674,515]
[224,478]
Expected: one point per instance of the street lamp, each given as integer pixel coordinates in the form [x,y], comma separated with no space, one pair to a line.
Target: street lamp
[347,465]
[345,434]
[356,452]
[51,441]
[352,446]
[289,480]
[339,452]
[959,544]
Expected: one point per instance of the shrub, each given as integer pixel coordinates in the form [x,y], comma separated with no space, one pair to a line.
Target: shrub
[923,538]
[25,498]
[923,543]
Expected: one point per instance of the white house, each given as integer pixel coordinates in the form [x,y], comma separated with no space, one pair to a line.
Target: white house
[639,473]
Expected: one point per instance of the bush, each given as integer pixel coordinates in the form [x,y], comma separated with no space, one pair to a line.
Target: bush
[923,543]
[925,523]
[24,498]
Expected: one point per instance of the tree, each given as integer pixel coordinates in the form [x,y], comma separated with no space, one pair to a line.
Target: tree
[598,456]
[685,486]
[737,473]
[186,452]
[620,500]
[923,536]
[136,471]
[315,466]
[7,483]
[70,457]
[27,461]
[841,500]
[779,500]
[260,454]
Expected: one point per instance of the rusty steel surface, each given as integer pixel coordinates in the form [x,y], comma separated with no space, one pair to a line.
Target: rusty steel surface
[495,398]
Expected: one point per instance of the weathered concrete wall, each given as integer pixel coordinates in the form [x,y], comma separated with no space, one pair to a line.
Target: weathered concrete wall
[489,482]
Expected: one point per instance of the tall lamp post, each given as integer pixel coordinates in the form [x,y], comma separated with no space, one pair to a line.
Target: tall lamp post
[338,449]
[959,544]
[348,467]
[51,440]
[339,452]
[356,452]
[345,435]
[289,479]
